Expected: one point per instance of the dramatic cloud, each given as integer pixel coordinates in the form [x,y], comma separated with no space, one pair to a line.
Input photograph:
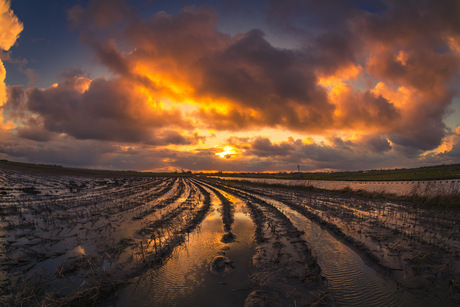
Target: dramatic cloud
[100,109]
[270,87]
[243,82]
[364,85]
[10,27]
[335,153]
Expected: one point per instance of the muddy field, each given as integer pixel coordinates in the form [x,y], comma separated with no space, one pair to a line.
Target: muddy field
[73,239]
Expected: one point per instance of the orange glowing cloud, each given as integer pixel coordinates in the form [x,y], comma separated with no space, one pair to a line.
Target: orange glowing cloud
[113,110]
[365,88]
[454,43]
[10,27]
[242,82]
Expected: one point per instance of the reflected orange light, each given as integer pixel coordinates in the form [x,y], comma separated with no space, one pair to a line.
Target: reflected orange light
[447,145]
[168,85]
[402,57]
[454,43]
[400,97]
[83,84]
[337,85]
[345,74]
[219,107]
[170,89]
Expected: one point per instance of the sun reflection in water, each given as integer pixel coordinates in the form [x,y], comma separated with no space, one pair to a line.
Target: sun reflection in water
[186,275]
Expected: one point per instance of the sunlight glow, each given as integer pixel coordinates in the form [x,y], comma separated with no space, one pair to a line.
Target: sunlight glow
[227,153]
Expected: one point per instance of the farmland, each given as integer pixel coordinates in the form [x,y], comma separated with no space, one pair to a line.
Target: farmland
[438,172]
[73,237]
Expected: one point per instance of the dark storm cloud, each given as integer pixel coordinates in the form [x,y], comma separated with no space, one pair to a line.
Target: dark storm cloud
[61,152]
[100,109]
[411,43]
[404,43]
[265,86]
[368,151]
[412,21]
[246,70]
[15,107]
[360,110]
[276,83]
[376,143]
[263,147]
[34,130]
[379,74]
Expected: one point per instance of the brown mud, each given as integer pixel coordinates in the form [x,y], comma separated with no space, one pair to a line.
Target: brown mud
[81,240]
[68,239]
[416,246]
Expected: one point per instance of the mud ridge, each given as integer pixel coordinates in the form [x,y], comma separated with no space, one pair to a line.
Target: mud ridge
[283,263]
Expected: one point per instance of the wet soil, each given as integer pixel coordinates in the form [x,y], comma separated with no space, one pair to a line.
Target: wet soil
[415,246]
[113,240]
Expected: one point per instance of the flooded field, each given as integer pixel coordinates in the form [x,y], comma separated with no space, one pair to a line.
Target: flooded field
[428,188]
[119,240]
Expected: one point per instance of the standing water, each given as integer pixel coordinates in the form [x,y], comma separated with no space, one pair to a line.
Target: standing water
[427,188]
[186,276]
[351,281]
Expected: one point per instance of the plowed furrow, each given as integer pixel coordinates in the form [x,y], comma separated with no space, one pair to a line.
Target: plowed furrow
[227,213]
[283,263]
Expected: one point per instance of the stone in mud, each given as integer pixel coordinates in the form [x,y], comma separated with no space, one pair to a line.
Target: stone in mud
[228,237]
[221,266]
[259,298]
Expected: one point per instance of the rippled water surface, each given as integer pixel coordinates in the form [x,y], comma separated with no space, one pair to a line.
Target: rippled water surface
[186,276]
[350,280]
[151,241]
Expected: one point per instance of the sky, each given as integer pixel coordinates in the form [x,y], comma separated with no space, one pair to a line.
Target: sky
[232,85]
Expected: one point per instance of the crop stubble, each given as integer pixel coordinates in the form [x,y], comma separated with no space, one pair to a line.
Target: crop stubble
[76,239]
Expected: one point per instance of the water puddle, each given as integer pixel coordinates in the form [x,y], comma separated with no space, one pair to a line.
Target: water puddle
[424,188]
[351,281]
[186,277]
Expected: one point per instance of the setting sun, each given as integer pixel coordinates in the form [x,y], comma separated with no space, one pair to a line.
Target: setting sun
[228,152]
